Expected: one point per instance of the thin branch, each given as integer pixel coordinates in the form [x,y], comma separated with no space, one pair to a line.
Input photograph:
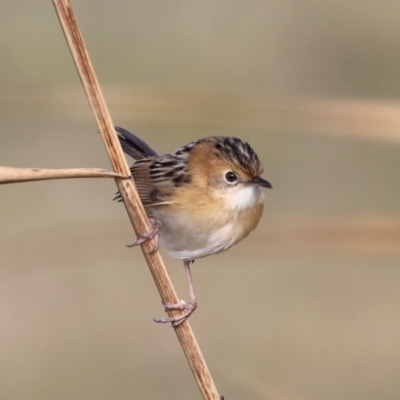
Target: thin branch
[14,175]
[130,196]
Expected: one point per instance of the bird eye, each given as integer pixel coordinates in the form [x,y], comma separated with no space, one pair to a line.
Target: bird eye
[230,177]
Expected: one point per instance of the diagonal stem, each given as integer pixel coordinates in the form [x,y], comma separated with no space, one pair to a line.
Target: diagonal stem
[130,196]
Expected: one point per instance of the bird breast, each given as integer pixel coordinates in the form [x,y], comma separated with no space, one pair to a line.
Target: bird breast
[198,228]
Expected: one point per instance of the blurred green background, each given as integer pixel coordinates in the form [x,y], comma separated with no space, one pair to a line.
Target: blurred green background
[308,306]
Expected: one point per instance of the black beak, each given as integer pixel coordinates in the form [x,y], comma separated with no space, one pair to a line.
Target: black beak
[257,181]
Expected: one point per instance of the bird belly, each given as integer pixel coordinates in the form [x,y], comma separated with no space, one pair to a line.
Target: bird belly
[186,236]
[191,244]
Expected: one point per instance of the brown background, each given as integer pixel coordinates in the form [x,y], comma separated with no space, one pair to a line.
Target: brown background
[308,306]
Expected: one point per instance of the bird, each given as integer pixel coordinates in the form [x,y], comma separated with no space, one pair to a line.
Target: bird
[201,200]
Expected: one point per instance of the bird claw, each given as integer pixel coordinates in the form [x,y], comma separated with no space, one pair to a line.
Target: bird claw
[187,308]
[153,233]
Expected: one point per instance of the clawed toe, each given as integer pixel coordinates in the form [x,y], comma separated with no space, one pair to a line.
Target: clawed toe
[187,308]
[153,233]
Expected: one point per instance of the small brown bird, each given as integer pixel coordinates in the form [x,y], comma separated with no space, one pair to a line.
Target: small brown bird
[202,199]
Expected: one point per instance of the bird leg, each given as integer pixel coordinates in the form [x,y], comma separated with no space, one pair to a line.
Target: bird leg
[153,233]
[187,308]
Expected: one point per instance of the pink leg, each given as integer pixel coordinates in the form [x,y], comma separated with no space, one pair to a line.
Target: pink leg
[154,232]
[187,308]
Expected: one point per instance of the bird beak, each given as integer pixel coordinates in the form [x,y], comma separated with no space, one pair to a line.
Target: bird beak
[257,181]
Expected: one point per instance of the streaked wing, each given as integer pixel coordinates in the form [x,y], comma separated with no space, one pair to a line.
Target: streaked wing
[156,177]
[151,192]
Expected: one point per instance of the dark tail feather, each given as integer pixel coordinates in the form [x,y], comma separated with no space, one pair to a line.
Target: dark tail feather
[134,146]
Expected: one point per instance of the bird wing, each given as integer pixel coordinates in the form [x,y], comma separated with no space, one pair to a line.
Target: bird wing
[156,177]
[152,192]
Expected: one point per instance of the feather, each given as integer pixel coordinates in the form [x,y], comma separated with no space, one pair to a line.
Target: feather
[133,145]
[151,193]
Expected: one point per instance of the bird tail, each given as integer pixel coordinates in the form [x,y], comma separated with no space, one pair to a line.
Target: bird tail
[134,146]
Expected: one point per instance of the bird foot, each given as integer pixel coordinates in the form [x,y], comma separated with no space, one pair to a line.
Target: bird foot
[153,233]
[187,308]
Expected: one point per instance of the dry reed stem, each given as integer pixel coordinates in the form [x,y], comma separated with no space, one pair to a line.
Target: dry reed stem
[15,175]
[130,196]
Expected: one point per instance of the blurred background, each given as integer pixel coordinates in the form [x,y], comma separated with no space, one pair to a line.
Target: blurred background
[308,306]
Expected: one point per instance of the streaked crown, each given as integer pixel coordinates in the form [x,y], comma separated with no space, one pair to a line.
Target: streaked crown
[236,152]
[230,150]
